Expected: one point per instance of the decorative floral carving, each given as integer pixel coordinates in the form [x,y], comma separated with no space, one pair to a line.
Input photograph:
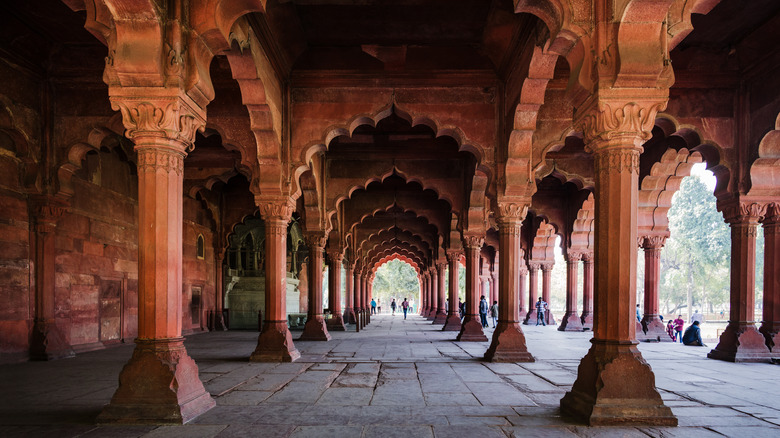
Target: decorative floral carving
[533,266]
[511,211]
[573,256]
[654,242]
[154,160]
[168,118]
[473,242]
[279,210]
[607,120]
[616,160]
[316,240]
[745,211]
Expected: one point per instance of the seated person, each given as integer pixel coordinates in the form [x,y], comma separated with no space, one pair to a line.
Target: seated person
[692,335]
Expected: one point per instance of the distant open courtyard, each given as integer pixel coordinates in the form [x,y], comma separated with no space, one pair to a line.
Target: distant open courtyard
[396,378]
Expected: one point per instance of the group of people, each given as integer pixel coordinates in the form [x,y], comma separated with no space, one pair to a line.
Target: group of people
[691,336]
[404,306]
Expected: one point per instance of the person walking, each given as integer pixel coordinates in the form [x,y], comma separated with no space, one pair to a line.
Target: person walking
[405,306]
[678,326]
[483,310]
[638,315]
[494,312]
[393,306]
[373,306]
[541,311]
[670,330]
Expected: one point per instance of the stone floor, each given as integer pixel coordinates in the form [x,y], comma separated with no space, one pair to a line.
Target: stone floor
[396,378]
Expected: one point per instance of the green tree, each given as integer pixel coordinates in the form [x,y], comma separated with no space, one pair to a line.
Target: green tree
[695,259]
[395,279]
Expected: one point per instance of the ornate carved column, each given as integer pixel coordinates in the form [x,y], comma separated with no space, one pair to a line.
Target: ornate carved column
[441,292]
[47,341]
[315,328]
[349,307]
[522,287]
[654,328]
[219,270]
[160,382]
[424,300]
[571,321]
[741,341]
[533,284]
[770,325]
[587,291]
[508,342]
[546,291]
[432,294]
[471,328]
[275,342]
[364,291]
[453,318]
[336,322]
[614,383]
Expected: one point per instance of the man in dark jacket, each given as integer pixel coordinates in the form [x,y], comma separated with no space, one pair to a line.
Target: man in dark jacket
[692,335]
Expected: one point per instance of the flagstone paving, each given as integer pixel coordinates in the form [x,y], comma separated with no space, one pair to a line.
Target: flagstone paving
[396,378]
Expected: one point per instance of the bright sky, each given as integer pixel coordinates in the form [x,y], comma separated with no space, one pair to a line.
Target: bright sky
[707,176]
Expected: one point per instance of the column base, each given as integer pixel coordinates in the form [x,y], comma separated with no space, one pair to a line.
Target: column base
[615,386]
[440,318]
[741,344]
[570,322]
[315,329]
[349,316]
[452,324]
[471,330]
[587,321]
[159,385]
[48,343]
[550,318]
[219,322]
[523,314]
[772,338]
[655,331]
[508,344]
[530,318]
[336,323]
[275,344]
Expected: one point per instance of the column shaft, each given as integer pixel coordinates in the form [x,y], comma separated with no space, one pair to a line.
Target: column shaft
[533,284]
[508,342]
[547,291]
[453,316]
[587,292]
[770,325]
[471,329]
[336,322]
[349,309]
[741,341]
[653,328]
[571,320]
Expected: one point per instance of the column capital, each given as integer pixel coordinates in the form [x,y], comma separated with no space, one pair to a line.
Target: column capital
[172,116]
[473,241]
[587,257]
[616,120]
[533,265]
[573,256]
[547,266]
[772,215]
[46,211]
[316,239]
[512,212]
[275,208]
[653,242]
[738,212]
[453,255]
[335,255]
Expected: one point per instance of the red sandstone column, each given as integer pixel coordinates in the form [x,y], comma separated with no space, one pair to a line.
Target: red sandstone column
[315,328]
[614,383]
[587,291]
[521,287]
[424,301]
[533,284]
[336,322]
[654,329]
[219,270]
[160,383]
[275,343]
[471,329]
[508,342]
[47,341]
[770,326]
[741,341]
[349,309]
[432,294]
[571,321]
[453,318]
[366,290]
[441,292]
[358,297]
[546,291]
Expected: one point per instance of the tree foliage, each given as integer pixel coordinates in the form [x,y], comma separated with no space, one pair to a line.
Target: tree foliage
[696,257]
[395,279]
